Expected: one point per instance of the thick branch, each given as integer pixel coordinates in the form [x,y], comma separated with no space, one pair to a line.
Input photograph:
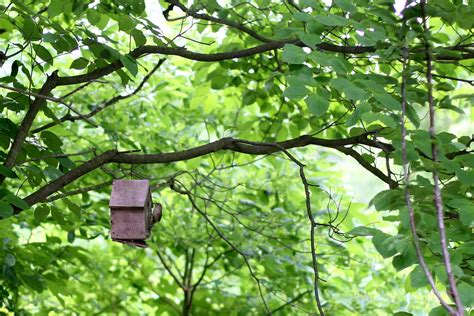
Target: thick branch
[62,181]
[27,122]
[231,144]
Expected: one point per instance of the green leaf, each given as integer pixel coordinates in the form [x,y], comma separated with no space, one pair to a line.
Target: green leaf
[332,20]
[361,108]
[466,177]
[387,101]
[15,200]
[130,63]
[349,89]
[438,311]
[295,92]
[311,40]
[388,200]
[57,7]
[466,292]
[418,278]
[405,259]
[126,23]
[6,210]
[93,16]
[30,30]
[303,16]
[138,37]
[79,63]
[293,54]
[249,97]
[318,103]
[43,53]
[383,244]
[363,231]
[51,140]
[346,5]
[7,172]
[52,173]
[465,208]
[41,212]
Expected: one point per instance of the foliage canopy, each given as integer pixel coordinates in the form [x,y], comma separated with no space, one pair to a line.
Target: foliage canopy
[242,114]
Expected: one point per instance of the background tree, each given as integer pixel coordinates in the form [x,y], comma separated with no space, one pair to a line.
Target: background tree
[238,113]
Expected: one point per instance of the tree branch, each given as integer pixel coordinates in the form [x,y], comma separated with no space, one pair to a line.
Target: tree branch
[229,143]
[25,126]
[103,106]
[222,21]
[406,191]
[227,241]
[434,154]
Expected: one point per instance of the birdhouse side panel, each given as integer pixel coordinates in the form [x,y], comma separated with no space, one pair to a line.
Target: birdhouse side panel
[129,224]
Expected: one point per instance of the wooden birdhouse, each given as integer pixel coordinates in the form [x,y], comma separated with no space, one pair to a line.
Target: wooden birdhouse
[131,214]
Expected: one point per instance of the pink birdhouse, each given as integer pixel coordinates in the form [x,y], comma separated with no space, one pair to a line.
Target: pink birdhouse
[131,215]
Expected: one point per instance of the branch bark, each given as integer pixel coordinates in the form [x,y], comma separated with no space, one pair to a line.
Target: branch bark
[434,154]
[28,121]
[231,144]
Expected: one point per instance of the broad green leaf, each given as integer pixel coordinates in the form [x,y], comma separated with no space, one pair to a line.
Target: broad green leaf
[418,278]
[93,17]
[14,200]
[7,172]
[41,212]
[138,37]
[30,30]
[466,292]
[345,5]
[6,210]
[303,16]
[388,200]
[57,7]
[466,177]
[130,63]
[296,92]
[79,63]
[318,103]
[311,40]
[51,140]
[126,23]
[331,20]
[349,89]
[387,101]
[383,244]
[293,54]
[43,53]
[361,108]
[363,231]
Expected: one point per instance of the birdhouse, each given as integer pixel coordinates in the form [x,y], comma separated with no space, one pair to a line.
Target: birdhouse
[131,215]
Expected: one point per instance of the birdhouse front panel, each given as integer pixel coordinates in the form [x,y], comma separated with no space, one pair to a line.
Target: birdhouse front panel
[129,224]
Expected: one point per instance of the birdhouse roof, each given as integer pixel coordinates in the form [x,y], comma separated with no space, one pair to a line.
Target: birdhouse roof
[129,193]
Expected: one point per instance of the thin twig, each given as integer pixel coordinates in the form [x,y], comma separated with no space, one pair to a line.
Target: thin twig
[313,223]
[184,191]
[53,99]
[103,106]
